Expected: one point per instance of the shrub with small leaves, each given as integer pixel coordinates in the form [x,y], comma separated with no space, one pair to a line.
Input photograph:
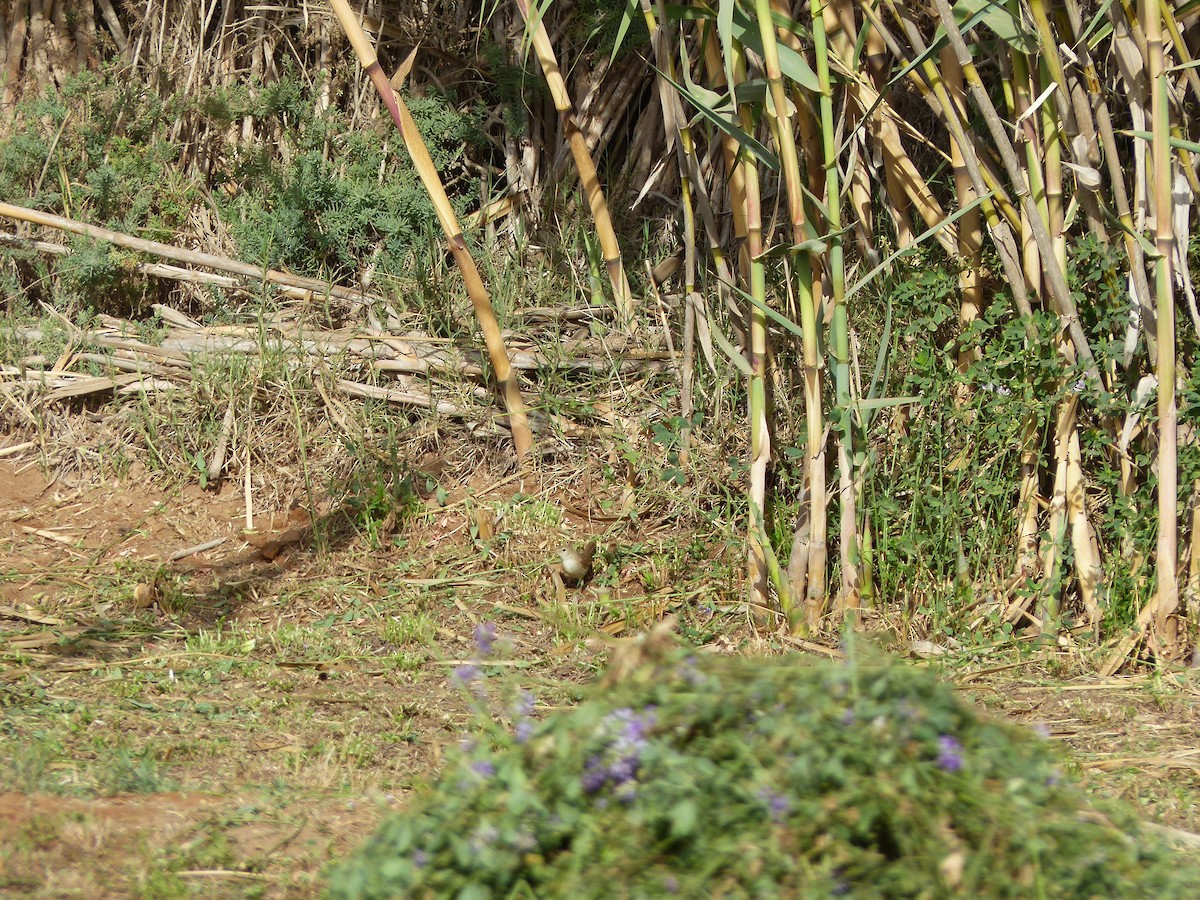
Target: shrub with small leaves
[711,776]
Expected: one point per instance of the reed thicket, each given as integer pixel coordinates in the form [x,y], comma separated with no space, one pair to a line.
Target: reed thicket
[948,247]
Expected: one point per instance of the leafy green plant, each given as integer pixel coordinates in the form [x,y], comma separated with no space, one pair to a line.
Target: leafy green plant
[705,775]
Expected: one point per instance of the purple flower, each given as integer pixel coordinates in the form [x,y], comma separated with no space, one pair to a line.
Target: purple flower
[778,804]
[950,757]
[618,763]
[485,638]
[524,705]
[690,672]
[671,884]
[841,887]
[633,727]
[465,674]
[848,717]
[593,779]
[420,858]
[484,768]
[523,732]
[623,770]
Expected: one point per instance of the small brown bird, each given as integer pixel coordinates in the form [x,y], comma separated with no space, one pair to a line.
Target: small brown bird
[577,563]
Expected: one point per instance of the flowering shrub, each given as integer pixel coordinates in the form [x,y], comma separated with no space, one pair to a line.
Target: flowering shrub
[757,778]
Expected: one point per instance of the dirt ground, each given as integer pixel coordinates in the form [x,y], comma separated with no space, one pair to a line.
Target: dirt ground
[229,722]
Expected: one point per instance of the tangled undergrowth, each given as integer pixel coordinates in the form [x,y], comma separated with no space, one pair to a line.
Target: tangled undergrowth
[714,776]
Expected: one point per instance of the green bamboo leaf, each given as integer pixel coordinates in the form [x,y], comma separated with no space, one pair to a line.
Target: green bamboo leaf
[734,355]
[771,314]
[859,45]
[1177,143]
[627,16]
[1099,21]
[754,91]
[1148,248]
[711,105]
[881,358]
[999,19]
[697,13]
[725,10]
[812,245]
[793,66]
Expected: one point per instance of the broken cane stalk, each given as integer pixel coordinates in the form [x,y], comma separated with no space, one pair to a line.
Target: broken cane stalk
[484,314]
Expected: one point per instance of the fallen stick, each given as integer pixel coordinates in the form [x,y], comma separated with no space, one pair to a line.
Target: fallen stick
[199,548]
[159,270]
[178,254]
[17,448]
[403,398]
[403,355]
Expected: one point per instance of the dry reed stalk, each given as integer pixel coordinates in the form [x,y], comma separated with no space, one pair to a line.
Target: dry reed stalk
[589,180]
[970,231]
[1088,566]
[955,119]
[1027,505]
[1018,180]
[18,28]
[243,284]
[484,313]
[191,257]
[1167,553]
[1191,590]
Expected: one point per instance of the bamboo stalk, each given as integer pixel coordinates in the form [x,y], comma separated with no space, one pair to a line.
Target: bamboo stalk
[482,302]
[1113,161]
[588,178]
[954,117]
[760,437]
[780,119]
[970,233]
[189,276]
[839,334]
[1057,280]
[806,563]
[1166,558]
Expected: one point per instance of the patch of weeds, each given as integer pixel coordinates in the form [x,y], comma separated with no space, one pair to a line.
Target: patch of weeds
[408,660]
[30,762]
[162,884]
[408,628]
[523,514]
[708,775]
[311,642]
[129,772]
[208,851]
[381,500]
[39,832]
[217,642]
